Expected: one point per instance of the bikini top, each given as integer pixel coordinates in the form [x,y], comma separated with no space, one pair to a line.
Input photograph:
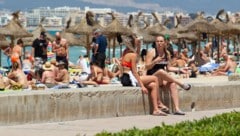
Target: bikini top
[126,63]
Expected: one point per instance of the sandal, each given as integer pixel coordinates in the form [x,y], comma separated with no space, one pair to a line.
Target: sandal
[164,109]
[186,87]
[159,113]
[179,113]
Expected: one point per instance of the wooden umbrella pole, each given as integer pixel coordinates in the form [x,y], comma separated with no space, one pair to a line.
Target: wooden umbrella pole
[114,43]
[0,58]
[228,43]
[88,45]
[109,51]
[218,49]
[120,49]
[234,45]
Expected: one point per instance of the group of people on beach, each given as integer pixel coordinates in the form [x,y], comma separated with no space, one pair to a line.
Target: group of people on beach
[149,69]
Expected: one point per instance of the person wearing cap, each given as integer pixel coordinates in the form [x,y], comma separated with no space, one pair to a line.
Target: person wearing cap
[39,47]
[60,47]
[48,76]
[100,47]
[62,75]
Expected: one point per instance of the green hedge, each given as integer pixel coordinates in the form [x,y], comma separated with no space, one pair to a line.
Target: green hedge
[227,124]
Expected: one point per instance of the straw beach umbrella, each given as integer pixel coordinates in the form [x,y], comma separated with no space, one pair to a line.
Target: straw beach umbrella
[14,29]
[36,34]
[114,29]
[85,27]
[158,27]
[71,38]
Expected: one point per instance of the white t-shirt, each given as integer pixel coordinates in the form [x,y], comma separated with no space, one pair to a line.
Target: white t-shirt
[84,63]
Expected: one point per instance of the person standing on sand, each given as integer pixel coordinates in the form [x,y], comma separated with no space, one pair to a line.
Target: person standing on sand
[18,51]
[60,47]
[100,48]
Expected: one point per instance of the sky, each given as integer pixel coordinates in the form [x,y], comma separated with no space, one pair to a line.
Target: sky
[191,6]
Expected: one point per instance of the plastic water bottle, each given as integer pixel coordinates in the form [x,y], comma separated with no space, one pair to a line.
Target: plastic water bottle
[49,47]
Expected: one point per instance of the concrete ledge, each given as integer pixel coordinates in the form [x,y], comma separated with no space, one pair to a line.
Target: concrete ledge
[102,102]
[62,105]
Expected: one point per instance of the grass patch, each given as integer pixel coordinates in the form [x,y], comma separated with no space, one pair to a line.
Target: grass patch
[227,124]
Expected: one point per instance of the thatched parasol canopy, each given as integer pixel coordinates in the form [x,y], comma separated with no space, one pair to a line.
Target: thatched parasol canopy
[36,34]
[3,42]
[156,29]
[188,36]
[199,25]
[83,28]
[15,30]
[116,27]
[72,39]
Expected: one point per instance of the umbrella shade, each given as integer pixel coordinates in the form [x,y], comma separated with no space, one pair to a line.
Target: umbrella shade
[15,30]
[36,34]
[154,30]
[116,27]
[83,28]
[172,33]
[3,42]
[232,28]
[199,25]
[188,36]
[72,39]
[147,38]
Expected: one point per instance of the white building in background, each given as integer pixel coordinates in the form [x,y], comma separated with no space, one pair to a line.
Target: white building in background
[35,15]
[53,22]
[5,17]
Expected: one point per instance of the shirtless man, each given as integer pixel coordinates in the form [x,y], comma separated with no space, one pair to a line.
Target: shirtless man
[17,50]
[62,75]
[228,68]
[60,47]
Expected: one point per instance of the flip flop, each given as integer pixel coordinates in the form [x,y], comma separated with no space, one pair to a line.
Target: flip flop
[186,87]
[159,113]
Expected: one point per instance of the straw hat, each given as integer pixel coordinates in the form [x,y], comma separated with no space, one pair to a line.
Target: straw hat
[47,66]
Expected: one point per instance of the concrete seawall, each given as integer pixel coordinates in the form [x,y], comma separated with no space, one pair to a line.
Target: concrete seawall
[103,102]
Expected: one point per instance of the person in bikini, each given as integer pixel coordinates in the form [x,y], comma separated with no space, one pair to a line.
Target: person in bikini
[18,51]
[130,77]
[60,47]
